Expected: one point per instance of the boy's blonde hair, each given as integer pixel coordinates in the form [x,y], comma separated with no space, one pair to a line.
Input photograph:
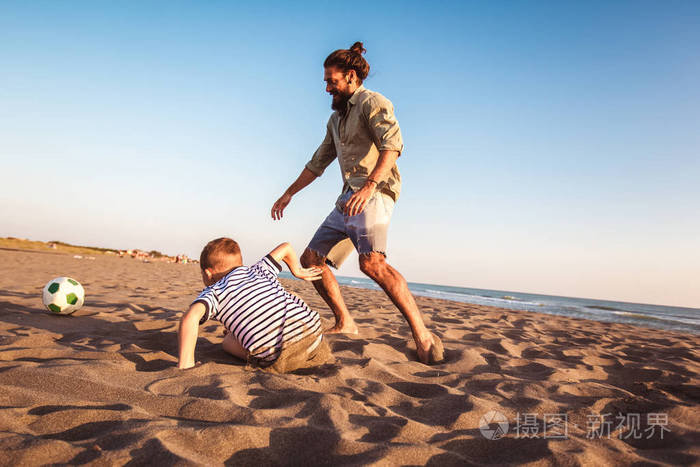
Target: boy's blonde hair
[215,251]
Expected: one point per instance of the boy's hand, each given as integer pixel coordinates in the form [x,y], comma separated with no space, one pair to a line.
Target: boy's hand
[308,274]
[286,253]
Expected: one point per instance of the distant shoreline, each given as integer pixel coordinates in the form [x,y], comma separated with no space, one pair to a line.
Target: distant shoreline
[56,246]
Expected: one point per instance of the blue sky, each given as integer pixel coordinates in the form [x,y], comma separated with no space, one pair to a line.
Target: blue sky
[551,147]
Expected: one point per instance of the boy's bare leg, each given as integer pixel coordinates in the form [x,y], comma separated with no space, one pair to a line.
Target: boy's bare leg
[329,290]
[375,266]
[232,346]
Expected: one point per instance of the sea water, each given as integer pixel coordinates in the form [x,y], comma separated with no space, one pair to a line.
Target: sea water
[655,316]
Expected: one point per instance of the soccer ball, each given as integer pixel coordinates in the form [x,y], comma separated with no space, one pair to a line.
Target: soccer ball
[63,295]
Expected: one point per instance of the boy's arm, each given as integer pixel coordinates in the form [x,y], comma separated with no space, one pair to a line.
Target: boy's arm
[187,334]
[286,253]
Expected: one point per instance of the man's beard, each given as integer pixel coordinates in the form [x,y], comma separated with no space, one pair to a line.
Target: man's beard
[340,103]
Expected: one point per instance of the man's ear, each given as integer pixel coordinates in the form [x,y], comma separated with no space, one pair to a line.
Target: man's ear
[350,76]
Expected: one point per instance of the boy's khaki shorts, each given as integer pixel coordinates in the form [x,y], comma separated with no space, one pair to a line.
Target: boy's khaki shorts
[308,352]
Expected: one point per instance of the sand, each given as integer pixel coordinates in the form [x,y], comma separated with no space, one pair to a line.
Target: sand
[100,387]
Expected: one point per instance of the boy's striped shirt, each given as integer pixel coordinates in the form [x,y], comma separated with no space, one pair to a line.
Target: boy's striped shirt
[255,308]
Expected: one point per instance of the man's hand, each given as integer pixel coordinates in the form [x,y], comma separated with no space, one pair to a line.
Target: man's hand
[305,177]
[357,202]
[280,204]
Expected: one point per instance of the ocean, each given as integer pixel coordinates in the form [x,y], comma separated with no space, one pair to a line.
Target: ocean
[654,316]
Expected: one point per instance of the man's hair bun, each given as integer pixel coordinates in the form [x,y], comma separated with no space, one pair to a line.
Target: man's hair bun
[358,48]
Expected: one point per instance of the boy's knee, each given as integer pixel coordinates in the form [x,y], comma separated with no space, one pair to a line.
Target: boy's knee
[311,258]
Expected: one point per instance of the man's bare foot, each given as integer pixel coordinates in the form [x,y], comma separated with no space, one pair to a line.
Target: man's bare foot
[350,328]
[430,351]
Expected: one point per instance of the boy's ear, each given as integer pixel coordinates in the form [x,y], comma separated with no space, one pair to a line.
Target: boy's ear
[208,273]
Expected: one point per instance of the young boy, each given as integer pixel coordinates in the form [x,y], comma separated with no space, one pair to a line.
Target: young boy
[267,326]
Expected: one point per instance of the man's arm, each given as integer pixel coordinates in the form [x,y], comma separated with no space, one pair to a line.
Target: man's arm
[305,178]
[286,253]
[357,202]
[187,334]
[387,136]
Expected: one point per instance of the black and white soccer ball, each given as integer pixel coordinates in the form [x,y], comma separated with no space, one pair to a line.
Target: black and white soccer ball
[63,295]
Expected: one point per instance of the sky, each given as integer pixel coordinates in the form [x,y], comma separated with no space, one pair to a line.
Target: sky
[550,147]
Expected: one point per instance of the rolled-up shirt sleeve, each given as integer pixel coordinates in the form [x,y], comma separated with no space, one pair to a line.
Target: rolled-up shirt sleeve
[383,124]
[210,302]
[268,265]
[323,156]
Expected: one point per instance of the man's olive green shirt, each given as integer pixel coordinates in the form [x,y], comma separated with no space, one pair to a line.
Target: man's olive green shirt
[356,139]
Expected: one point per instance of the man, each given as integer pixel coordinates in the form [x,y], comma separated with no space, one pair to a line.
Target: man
[364,136]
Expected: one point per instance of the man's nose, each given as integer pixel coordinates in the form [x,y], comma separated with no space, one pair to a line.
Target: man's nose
[328,88]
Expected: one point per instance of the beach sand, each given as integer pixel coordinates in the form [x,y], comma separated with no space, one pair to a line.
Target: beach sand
[100,387]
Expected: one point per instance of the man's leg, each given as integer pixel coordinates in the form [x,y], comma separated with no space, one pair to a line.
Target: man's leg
[374,265]
[329,290]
